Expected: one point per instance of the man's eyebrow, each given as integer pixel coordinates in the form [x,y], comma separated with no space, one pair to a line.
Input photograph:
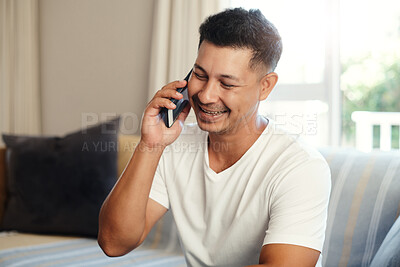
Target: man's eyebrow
[222,75]
[197,66]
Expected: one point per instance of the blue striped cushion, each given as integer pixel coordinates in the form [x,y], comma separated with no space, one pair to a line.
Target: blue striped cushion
[365,202]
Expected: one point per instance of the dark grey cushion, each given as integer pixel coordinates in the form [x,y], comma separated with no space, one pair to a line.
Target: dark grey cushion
[57,185]
[388,254]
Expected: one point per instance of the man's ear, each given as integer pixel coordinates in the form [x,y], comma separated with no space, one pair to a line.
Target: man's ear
[268,83]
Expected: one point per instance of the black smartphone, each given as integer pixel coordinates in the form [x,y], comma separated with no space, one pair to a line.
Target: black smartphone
[169,116]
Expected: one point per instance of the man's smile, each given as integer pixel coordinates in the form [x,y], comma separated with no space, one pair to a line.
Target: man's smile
[210,114]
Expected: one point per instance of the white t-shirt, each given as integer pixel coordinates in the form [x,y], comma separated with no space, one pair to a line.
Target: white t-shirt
[277,192]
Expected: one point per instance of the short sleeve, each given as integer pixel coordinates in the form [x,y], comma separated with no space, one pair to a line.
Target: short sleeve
[299,204]
[158,191]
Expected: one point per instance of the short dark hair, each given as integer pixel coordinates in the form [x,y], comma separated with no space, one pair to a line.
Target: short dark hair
[239,28]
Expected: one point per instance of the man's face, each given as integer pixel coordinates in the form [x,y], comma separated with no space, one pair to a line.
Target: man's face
[223,90]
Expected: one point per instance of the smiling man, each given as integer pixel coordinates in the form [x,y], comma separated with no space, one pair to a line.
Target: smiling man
[242,191]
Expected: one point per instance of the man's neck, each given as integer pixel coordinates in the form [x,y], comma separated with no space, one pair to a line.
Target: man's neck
[224,150]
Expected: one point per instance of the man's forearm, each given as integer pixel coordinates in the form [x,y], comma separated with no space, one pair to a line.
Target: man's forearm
[122,216]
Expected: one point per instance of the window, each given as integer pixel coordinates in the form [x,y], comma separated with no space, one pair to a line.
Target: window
[370,80]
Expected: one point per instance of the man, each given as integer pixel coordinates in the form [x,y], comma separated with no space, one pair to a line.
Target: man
[241,191]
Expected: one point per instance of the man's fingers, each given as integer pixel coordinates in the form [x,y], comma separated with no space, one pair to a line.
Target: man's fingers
[174,85]
[162,98]
[155,106]
[168,93]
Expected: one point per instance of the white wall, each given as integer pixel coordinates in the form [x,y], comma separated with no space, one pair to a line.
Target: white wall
[94,59]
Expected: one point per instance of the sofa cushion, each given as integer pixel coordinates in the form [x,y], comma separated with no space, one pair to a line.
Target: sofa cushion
[126,146]
[364,204]
[57,185]
[388,254]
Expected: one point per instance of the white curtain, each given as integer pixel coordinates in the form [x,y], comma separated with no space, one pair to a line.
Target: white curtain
[175,38]
[19,67]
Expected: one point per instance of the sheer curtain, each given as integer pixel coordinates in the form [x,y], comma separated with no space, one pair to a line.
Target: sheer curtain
[175,38]
[19,67]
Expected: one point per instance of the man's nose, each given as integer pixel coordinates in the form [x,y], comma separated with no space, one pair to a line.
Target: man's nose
[209,93]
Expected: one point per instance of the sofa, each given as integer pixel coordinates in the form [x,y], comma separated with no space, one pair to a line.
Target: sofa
[363,228]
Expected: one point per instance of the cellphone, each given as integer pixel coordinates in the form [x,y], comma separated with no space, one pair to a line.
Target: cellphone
[169,116]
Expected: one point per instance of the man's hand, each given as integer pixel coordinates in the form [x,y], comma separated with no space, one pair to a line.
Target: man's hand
[154,132]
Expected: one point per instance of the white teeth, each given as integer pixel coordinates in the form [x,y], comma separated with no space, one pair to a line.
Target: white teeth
[213,112]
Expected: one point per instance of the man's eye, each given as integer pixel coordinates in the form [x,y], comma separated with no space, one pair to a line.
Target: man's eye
[227,85]
[200,77]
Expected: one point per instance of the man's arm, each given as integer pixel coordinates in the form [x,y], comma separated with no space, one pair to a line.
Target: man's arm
[275,255]
[127,215]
